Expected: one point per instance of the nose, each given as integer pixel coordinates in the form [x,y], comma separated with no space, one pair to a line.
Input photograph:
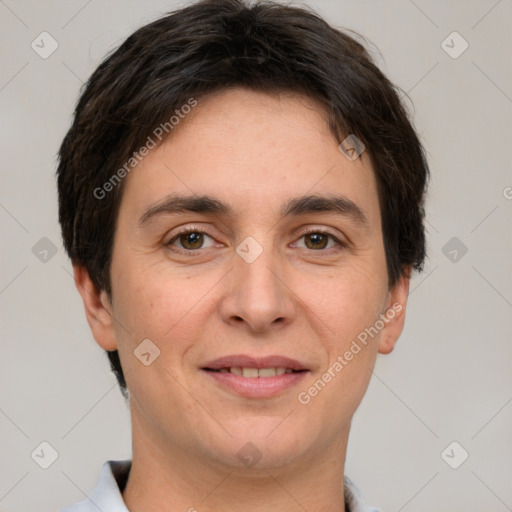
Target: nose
[257,294]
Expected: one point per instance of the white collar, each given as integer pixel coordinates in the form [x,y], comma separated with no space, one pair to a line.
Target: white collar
[106,495]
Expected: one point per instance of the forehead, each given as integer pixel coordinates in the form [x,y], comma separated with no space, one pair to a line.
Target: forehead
[253,151]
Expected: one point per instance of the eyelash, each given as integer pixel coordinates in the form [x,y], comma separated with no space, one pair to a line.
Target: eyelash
[197,229]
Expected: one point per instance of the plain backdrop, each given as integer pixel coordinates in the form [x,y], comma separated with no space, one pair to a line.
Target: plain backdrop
[449,378]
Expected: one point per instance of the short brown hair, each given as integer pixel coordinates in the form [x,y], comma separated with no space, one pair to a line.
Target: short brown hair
[217,44]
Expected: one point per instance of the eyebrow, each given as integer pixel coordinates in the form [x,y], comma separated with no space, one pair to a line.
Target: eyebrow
[336,205]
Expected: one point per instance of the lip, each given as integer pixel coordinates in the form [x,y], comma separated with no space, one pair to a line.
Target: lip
[255,387]
[245,361]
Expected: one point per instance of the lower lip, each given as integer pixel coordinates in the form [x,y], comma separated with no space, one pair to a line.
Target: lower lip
[257,387]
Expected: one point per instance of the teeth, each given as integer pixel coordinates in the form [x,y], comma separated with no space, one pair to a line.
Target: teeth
[250,372]
[267,372]
[255,372]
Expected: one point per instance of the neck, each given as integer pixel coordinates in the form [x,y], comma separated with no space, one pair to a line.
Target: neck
[165,477]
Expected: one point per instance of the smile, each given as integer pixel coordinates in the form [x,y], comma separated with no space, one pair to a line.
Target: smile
[249,372]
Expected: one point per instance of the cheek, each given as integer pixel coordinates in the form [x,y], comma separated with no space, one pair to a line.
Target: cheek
[149,307]
[346,301]
[349,305]
[164,306]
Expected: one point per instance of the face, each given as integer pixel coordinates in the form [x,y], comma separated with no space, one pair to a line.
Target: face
[254,278]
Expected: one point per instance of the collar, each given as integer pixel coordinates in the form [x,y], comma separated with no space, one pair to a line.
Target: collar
[106,495]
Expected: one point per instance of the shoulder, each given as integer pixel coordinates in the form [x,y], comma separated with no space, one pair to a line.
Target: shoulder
[107,493]
[354,501]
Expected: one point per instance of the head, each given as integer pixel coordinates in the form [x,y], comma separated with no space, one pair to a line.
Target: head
[202,152]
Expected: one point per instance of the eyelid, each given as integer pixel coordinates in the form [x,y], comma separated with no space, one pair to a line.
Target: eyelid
[188,229]
[340,242]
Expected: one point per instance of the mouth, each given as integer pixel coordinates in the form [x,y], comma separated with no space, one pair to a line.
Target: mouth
[252,377]
[252,373]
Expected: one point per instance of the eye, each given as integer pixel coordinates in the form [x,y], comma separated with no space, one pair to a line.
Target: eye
[190,239]
[318,240]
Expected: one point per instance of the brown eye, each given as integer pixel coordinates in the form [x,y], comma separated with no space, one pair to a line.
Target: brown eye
[190,240]
[317,240]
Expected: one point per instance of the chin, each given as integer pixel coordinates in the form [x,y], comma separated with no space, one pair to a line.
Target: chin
[263,443]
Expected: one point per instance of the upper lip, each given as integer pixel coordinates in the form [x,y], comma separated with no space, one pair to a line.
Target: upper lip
[245,361]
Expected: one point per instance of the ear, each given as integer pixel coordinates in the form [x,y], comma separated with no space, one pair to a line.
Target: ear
[394,316]
[98,309]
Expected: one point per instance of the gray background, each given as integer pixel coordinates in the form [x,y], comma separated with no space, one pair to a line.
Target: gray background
[449,378]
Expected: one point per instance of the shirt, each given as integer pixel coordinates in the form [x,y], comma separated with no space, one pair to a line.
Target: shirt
[106,495]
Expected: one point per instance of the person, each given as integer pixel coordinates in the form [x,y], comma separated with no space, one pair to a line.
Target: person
[241,194]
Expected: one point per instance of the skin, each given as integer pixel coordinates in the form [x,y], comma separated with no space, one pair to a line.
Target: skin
[254,151]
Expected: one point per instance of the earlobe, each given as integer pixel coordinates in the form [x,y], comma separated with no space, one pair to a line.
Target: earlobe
[394,315]
[98,309]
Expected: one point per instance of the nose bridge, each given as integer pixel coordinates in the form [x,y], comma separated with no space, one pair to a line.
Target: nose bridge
[259,294]
[256,265]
